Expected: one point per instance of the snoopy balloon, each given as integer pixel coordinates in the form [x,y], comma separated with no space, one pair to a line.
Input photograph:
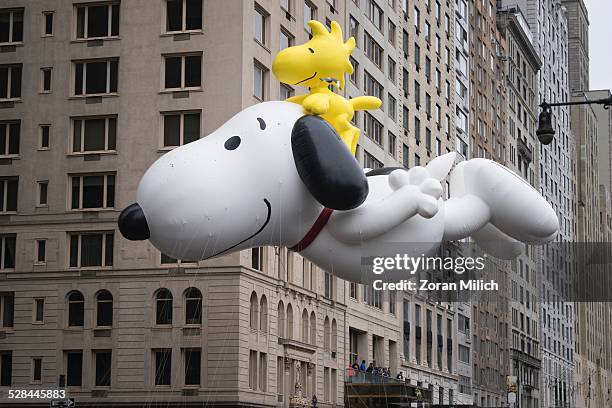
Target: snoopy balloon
[272,176]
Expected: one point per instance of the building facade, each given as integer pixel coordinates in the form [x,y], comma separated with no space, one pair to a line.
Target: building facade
[522,66]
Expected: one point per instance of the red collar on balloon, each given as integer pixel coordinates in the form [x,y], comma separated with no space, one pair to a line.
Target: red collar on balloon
[314,231]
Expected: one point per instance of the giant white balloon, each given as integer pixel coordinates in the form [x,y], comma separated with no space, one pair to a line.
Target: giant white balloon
[271,176]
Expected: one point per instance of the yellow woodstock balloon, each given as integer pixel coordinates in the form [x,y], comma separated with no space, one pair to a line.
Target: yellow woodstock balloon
[322,61]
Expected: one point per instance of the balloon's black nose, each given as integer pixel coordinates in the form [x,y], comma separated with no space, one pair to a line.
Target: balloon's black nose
[133,224]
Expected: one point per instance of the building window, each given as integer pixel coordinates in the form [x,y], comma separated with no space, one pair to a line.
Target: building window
[263,372]
[252,369]
[392,140]
[193,306]
[91,249]
[95,191]
[370,162]
[286,5]
[355,75]
[6,368]
[39,310]
[354,29]
[180,128]
[374,14]
[104,308]
[405,156]
[183,15]
[263,314]
[94,135]
[163,307]
[45,136]
[7,309]
[254,311]
[391,69]
[372,49]
[417,129]
[417,94]
[37,370]
[97,21]
[260,22]
[76,309]
[353,290]
[8,194]
[373,128]
[74,368]
[372,86]
[260,74]
[192,359]
[43,188]
[310,13]
[328,285]
[45,74]
[47,20]
[183,72]
[41,251]
[417,19]
[11,26]
[391,32]
[257,258]
[10,81]
[286,92]
[98,77]
[9,138]
[286,39]
[7,251]
[103,367]
[163,366]
[391,106]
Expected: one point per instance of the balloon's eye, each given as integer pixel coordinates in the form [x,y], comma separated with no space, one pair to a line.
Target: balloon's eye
[311,50]
[232,143]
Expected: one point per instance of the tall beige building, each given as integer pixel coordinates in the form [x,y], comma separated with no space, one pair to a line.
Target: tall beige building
[91,94]
[522,66]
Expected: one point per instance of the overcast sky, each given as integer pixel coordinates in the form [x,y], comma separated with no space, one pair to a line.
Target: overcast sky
[600,47]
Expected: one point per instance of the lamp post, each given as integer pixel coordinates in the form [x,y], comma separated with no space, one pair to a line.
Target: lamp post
[545,131]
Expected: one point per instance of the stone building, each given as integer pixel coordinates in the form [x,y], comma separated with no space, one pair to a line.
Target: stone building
[522,66]
[95,92]
[488,133]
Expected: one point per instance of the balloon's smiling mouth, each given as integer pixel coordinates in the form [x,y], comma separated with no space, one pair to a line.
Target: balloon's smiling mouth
[252,235]
[307,79]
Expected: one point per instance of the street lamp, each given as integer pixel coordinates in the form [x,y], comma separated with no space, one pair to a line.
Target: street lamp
[545,131]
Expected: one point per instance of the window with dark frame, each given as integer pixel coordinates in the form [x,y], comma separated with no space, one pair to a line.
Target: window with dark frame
[183,15]
[74,368]
[183,72]
[94,134]
[192,365]
[37,370]
[260,21]
[46,80]
[91,249]
[92,191]
[39,310]
[163,307]
[6,368]
[103,367]
[10,136]
[7,308]
[286,39]
[193,306]
[7,251]
[43,192]
[76,309]
[405,156]
[11,26]
[10,81]
[98,20]
[104,309]
[47,23]
[259,81]
[163,366]
[97,77]
[180,128]
[45,137]
[41,250]
[9,190]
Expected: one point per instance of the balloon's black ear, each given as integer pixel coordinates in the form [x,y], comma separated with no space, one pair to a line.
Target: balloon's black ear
[326,166]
